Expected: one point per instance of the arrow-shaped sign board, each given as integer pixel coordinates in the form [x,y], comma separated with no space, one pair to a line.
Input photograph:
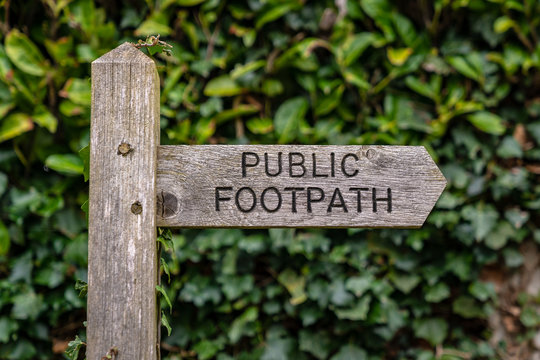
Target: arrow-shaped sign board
[263,186]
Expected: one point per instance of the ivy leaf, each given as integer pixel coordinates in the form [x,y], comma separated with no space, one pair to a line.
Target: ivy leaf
[84,154]
[498,238]
[482,290]
[81,287]
[482,218]
[405,282]
[15,125]
[165,322]
[295,284]
[238,327]
[463,66]
[165,268]
[330,102]
[405,28]
[398,57]
[420,87]
[7,327]
[188,2]
[487,122]
[437,293]
[278,349]
[165,238]
[273,12]
[73,348]
[358,285]
[260,125]
[69,164]
[509,148]
[288,118]
[348,352]
[353,47]
[358,312]
[206,349]
[222,86]
[316,343]
[165,296]
[27,305]
[46,119]
[4,239]
[517,217]
[3,183]
[433,330]
[503,24]
[24,53]
[467,307]
[241,70]
[157,23]
[78,91]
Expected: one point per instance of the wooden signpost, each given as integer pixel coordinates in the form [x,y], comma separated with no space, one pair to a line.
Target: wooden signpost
[137,185]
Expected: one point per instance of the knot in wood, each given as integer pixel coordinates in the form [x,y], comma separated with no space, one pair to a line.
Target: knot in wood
[124,149]
[136,208]
[167,204]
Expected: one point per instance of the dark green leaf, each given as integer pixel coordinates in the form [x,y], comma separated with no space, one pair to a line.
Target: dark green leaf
[69,164]
[74,347]
[15,125]
[347,352]
[164,295]
[487,122]
[4,239]
[222,86]
[24,53]
[81,287]
[165,322]
[433,330]
[288,117]
[84,154]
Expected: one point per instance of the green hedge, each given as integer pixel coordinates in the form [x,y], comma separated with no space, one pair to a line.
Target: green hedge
[459,77]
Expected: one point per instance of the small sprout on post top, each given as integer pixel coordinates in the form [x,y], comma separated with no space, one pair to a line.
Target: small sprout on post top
[154,45]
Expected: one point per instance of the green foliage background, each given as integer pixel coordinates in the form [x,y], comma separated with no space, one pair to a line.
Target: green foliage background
[459,77]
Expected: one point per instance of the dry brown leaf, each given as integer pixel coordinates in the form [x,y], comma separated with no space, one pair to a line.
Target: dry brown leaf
[59,346]
[533,168]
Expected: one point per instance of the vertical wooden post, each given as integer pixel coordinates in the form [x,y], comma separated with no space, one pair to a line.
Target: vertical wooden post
[122,250]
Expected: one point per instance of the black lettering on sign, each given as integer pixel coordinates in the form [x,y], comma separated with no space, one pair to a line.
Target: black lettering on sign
[218,195]
[293,190]
[253,196]
[388,200]
[311,199]
[332,165]
[266,167]
[358,197]
[314,157]
[343,168]
[341,204]
[299,164]
[245,163]
[263,203]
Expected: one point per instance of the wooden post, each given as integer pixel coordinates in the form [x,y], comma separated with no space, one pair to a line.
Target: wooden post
[122,258]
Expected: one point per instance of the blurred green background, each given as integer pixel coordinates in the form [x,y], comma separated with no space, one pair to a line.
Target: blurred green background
[458,77]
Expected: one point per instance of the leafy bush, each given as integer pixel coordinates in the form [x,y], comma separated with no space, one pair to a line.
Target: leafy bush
[458,77]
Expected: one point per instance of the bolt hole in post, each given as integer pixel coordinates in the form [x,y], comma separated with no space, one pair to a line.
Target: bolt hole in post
[124,149]
[136,208]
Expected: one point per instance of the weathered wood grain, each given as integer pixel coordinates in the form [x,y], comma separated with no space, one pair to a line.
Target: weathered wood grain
[122,259]
[198,186]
